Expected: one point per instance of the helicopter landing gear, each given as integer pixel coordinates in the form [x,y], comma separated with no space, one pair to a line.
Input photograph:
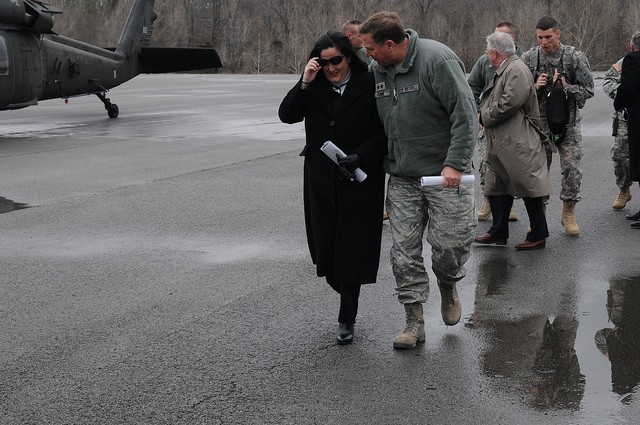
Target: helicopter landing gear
[112,108]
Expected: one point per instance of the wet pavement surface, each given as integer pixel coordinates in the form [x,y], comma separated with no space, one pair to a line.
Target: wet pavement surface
[160,274]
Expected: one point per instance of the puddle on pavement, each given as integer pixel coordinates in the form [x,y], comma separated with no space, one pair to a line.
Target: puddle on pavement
[585,359]
[7,205]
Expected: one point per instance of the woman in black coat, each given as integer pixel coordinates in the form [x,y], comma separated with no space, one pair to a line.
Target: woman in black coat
[335,98]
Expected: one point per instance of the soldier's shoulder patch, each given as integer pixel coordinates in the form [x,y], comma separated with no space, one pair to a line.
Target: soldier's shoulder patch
[381,86]
[617,67]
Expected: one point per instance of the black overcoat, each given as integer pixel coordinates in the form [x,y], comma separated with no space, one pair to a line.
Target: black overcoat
[343,218]
[628,96]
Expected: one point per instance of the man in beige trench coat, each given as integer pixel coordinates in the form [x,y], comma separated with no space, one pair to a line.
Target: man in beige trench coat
[516,160]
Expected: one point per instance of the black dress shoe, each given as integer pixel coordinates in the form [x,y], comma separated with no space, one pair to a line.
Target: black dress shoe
[634,217]
[488,239]
[635,225]
[345,333]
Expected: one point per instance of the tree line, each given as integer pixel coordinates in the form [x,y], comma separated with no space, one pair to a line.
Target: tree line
[276,36]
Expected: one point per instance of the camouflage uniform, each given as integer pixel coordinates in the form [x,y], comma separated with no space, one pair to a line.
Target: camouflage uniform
[620,148]
[411,207]
[575,66]
[482,155]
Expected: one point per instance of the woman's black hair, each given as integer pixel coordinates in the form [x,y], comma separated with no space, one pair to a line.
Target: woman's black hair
[343,44]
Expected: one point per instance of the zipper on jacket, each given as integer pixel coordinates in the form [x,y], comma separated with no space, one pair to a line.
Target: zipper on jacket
[395,104]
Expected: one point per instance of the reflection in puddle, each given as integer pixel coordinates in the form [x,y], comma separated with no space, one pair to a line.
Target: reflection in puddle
[7,205]
[558,382]
[539,352]
[493,274]
[621,342]
[585,358]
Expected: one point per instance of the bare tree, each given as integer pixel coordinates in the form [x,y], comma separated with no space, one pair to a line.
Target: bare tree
[631,13]
[276,35]
[584,22]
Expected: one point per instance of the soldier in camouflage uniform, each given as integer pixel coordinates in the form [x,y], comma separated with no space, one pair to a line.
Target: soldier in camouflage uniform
[549,62]
[481,75]
[431,122]
[620,148]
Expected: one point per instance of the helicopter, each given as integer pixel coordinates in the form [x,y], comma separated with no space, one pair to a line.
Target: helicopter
[38,64]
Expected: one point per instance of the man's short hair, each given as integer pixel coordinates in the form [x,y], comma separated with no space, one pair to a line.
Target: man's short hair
[507,24]
[635,40]
[350,24]
[502,43]
[384,26]
[547,22]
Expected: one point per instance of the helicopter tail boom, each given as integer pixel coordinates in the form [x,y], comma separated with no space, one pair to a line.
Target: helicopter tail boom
[156,60]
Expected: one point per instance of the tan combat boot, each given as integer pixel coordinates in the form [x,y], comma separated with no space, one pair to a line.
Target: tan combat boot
[513,216]
[568,219]
[621,201]
[485,210]
[414,330]
[450,305]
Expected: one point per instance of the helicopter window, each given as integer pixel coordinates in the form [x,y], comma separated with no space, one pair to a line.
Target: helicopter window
[4,57]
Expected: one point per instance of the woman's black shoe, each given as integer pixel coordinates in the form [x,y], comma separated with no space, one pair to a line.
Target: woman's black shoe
[634,217]
[345,333]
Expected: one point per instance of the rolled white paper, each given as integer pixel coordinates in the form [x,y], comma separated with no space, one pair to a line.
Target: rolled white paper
[332,150]
[437,180]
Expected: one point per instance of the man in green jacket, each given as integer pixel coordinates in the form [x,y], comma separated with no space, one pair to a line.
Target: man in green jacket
[431,122]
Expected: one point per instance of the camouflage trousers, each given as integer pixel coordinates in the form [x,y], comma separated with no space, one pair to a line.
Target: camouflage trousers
[447,214]
[482,153]
[620,156]
[570,152]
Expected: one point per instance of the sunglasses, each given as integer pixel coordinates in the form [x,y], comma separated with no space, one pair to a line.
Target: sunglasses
[333,61]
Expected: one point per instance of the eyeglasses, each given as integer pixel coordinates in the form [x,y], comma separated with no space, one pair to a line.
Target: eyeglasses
[333,61]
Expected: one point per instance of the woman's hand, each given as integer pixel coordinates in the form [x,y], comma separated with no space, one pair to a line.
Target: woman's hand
[310,71]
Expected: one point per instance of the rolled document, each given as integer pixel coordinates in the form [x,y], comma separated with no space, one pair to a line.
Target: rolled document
[334,152]
[437,180]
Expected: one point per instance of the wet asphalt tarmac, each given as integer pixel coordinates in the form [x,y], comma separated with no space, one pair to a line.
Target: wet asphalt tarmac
[160,275]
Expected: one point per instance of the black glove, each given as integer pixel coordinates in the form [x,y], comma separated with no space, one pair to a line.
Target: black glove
[350,162]
[345,173]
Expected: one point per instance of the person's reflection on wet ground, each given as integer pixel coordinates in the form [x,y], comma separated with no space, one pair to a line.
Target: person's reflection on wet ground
[558,382]
[621,344]
[536,353]
[493,273]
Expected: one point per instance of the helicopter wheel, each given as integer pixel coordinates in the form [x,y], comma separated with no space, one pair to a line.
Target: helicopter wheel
[113,110]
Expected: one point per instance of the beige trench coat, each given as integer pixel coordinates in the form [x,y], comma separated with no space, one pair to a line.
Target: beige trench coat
[516,160]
